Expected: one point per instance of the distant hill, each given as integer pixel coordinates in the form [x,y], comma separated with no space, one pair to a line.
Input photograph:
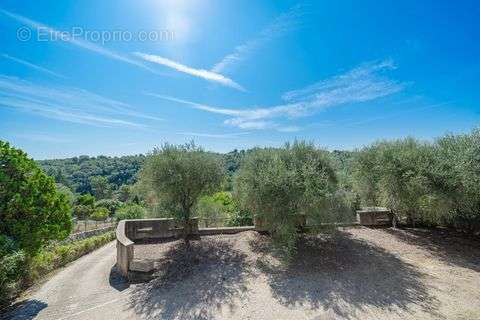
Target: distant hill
[76,172]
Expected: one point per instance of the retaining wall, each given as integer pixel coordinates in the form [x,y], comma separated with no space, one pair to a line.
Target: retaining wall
[374,217]
[129,231]
[87,234]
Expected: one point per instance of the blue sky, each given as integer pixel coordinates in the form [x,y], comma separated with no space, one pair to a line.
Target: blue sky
[120,77]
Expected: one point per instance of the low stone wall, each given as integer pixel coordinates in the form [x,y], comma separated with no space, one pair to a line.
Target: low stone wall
[124,249]
[90,233]
[301,222]
[129,231]
[224,230]
[374,217]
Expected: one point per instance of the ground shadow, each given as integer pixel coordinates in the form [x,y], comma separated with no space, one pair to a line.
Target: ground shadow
[337,272]
[116,280]
[192,283]
[23,310]
[452,247]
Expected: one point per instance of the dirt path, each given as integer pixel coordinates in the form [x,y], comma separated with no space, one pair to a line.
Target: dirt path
[359,273]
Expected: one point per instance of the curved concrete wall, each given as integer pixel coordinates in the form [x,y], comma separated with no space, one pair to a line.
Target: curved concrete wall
[124,249]
[129,231]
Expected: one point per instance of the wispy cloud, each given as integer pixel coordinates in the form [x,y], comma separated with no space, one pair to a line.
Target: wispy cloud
[289,129]
[201,73]
[283,24]
[213,135]
[364,83]
[67,104]
[84,44]
[33,66]
[42,137]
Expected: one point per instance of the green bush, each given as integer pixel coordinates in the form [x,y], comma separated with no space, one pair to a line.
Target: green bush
[278,184]
[429,183]
[221,209]
[47,261]
[111,204]
[12,263]
[82,212]
[18,271]
[86,200]
[395,175]
[100,214]
[130,211]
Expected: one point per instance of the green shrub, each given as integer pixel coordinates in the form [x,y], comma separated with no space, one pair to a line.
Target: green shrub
[12,267]
[395,176]
[429,183]
[100,214]
[221,208]
[17,271]
[82,212]
[130,211]
[111,204]
[240,217]
[47,261]
[278,184]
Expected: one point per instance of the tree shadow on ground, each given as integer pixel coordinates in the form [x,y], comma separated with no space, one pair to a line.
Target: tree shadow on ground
[23,310]
[452,247]
[193,283]
[346,275]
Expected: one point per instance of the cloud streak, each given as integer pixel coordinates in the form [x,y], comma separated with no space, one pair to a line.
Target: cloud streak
[33,66]
[92,47]
[41,137]
[283,24]
[213,135]
[200,73]
[364,83]
[87,45]
[68,104]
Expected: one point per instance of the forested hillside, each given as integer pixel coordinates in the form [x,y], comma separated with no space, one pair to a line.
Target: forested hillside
[77,172]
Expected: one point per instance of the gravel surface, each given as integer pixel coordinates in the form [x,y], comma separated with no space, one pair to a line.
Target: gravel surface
[356,273]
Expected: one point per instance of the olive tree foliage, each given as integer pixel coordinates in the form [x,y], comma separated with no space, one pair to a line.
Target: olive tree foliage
[395,175]
[277,185]
[428,183]
[177,176]
[32,211]
[456,178]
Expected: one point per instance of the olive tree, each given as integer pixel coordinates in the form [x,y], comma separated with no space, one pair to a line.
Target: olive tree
[32,211]
[456,177]
[277,185]
[178,175]
[398,175]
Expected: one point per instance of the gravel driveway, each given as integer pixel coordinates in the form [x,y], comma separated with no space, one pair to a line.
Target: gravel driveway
[358,273]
